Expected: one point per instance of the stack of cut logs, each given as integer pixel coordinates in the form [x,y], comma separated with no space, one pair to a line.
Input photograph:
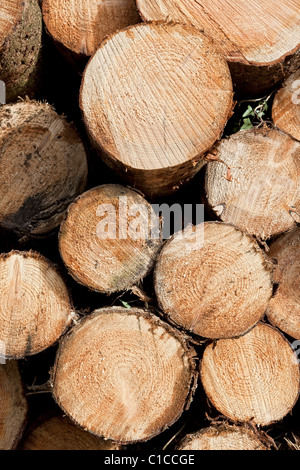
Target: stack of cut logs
[113,334]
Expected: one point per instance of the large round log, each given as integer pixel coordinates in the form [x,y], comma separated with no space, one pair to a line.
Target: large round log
[286,106]
[259,40]
[155,98]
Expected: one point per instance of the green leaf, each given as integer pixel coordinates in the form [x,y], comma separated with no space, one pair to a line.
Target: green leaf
[249,112]
[126,305]
[247,124]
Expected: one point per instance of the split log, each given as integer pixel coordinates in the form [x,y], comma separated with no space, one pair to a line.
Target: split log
[253,181]
[78,27]
[43,167]
[124,374]
[213,281]
[260,42]
[286,106]
[35,308]
[60,433]
[20,46]
[222,437]
[14,407]
[284,308]
[156,113]
[110,238]
[252,378]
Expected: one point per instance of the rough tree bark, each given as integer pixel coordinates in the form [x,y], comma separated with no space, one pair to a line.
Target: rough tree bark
[253,181]
[254,378]
[14,407]
[110,238]
[35,307]
[213,281]
[259,40]
[20,47]
[78,27]
[43,167]
[124,374]
[157,112]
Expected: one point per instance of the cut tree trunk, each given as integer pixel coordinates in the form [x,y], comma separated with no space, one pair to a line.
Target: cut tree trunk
[252,378]
[286,106]
[124,374]
[60,433]
[213,281]
[35,308]
[43,167]
[20,47]
[284,308]
[253,181]
[156,113]
[87,24]
[223,437]
[13,410]
[260,41]
[110,238]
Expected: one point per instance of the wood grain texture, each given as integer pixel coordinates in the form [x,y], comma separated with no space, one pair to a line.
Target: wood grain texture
[124,374]
[43,167]
[223,437]
[286,106]
[213,281]
[284,308]
[260,42]
[110,238]
[60,433]
[35,307]
[252,182]
[252,378]
[14,406]
[155,97]
[81,26]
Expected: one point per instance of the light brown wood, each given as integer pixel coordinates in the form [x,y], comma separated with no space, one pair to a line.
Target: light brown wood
[20,46]
[59,433]
[214,281]
[260,40]
[252,378]
[223,437]
[35,308]
[253,181]
[124,374]
[80,26]
[155,97]
[107,242]
[286,106]
[43,167]
[14,407]
[284,308]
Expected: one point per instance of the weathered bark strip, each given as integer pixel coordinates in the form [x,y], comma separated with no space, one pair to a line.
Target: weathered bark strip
[284,308]
[156,113]
[253,181]
[110,238]
[223,437]
[286,106]
[43,167]
[124,374]
[20,47]
[13,410]
[78,27]
[260,41]
[213,281]
[254,378]
[60,433]
[35,306]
